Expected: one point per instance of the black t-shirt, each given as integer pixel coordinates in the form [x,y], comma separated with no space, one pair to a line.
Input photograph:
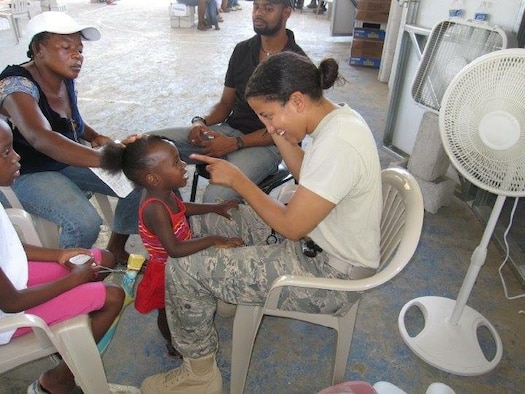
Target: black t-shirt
[243,61]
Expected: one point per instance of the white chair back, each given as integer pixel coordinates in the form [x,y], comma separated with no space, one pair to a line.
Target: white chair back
[19,7]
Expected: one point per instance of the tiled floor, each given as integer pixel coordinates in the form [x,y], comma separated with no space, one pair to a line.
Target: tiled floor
[143,75]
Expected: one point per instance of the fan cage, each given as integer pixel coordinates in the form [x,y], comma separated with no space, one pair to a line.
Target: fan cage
[495,82]
[450,47]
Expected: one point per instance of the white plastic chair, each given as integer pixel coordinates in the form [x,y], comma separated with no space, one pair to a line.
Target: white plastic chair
[18,9]
[73,339]
[48,233]
[401,223]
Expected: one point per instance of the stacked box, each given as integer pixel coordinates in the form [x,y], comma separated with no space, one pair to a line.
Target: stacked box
[181,16]
[370,22]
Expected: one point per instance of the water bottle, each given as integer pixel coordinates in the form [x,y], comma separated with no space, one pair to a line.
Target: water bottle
[455,9]
[482,13]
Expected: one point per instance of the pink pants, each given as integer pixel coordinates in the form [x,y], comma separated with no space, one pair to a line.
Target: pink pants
[82,299]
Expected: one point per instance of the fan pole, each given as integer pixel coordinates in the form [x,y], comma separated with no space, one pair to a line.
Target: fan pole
[476,261]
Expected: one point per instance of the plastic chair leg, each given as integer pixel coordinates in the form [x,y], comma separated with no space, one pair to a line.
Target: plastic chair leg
[344,341]
[245,327]
[105,207]
[75,343]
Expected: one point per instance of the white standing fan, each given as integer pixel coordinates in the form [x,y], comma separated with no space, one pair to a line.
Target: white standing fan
[482,127]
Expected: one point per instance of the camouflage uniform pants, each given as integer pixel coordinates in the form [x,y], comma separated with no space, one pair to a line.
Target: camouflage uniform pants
[241,275]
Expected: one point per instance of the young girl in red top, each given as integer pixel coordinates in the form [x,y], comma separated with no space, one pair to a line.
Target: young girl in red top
[153,162]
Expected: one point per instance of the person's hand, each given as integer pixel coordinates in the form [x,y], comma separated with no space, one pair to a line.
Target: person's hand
[197,134]
[217,144]
[100,140]
[223,208]
[221,171]
[83,273]
[66,254]
[131,138]
[225,243]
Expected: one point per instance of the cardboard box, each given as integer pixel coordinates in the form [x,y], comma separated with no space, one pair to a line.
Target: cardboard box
[182,22]
[370,25]
[178,9]
[366,48]
[365,62]
[181,16]
[369,34]
[378,6]
[371,16]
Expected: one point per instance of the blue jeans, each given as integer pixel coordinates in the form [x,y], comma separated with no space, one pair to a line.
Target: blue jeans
[60,197]
[256,163]
[212,12]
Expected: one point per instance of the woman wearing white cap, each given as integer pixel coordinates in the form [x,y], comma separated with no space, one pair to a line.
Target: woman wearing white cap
[39,100]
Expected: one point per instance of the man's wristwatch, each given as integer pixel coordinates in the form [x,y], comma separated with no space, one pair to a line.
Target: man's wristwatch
[198,119]
[240,143]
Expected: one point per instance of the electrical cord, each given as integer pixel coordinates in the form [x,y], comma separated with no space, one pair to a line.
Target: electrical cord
[507,256]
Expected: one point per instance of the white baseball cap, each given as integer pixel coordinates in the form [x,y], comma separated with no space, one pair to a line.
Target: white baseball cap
[59,23]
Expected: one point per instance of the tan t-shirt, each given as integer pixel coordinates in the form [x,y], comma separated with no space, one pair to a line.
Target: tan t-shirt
[342,166]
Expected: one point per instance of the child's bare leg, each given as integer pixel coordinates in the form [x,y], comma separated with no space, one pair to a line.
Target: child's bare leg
[162,324]
[102,319]
[58,380]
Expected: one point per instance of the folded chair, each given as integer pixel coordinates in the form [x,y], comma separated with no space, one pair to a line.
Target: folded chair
[401,223]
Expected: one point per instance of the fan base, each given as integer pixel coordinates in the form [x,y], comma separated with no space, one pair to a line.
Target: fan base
[450,348]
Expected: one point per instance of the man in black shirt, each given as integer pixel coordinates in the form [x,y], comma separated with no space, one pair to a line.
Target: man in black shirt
[231,129]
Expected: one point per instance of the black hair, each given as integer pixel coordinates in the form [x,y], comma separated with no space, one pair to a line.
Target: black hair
[35,42]
[132,159]
[284,73]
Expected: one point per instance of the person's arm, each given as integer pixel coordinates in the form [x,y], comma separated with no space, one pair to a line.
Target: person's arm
[29,119]
[295,220]
[61,256]
[157,219]
[291,153]
[94,138]
[218,113]
[218,208]
[14,301]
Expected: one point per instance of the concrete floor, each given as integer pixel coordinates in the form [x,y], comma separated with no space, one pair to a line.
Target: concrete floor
[143,75]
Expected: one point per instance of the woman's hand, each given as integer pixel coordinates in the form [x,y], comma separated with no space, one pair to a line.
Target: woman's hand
[223,208]
[221,171]
[131,138]
[100,140]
